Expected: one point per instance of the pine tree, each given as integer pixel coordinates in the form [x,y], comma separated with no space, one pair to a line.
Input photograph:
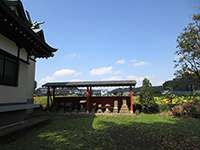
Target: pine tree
[146,93]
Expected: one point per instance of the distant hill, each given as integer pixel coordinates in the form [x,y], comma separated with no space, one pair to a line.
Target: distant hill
[156,90]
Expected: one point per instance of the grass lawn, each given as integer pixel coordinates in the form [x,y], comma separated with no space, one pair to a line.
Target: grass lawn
[111,132]
[42,100]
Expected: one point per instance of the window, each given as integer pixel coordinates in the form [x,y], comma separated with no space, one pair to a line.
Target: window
[8,69]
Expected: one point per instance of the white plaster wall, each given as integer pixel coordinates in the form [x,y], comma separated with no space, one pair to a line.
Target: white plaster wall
[23,54]
[8,45]
[26,77]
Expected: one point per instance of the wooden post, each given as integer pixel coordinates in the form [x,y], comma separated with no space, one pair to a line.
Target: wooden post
[51,99]
[90,99]
[53,96]
[131,99]
[48,92]
[87,94]
[90,91]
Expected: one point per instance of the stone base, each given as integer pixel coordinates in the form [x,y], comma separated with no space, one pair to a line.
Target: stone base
[115,110]
[107,111]
[114,114]
[124,109]
[99,110]
[107,108]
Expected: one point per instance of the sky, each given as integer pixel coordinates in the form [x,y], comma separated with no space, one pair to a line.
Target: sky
[110,39]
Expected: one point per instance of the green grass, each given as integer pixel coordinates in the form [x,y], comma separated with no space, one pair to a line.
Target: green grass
[111,132]
[42,100]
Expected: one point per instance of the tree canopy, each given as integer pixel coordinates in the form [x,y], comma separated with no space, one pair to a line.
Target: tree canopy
[188,53]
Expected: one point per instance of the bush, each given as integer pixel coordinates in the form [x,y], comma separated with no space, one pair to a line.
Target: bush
[187,109]
[165,107]
[178,110]
[137,107]
[151,108]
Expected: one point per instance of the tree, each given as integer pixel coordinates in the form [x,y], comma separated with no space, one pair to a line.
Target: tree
[188,53]
[187,82]
[146,93]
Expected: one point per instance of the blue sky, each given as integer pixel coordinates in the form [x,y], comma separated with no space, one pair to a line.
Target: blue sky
[110,39]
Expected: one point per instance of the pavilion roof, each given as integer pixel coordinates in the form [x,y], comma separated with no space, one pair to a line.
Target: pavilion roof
[18,29]
[91,84]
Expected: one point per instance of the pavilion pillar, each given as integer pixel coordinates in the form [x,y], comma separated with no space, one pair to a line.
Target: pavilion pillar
[53,96]
[131,100]
[48,97]
[88,99]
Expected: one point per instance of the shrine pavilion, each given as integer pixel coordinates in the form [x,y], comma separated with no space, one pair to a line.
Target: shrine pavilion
[88,101]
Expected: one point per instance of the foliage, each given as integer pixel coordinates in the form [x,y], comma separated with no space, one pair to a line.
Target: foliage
[147,98]
[146,93]
[189,49]
[152,108]
[136,100]
[165,103]
[187,109]
[111,132]
[42,100]
[186,82]
[162,100]
[169,95]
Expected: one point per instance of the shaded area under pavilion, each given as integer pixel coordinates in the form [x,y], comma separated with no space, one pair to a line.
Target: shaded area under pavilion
[88,101]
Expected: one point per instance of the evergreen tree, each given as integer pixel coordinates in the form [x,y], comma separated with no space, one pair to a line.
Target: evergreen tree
[146,93]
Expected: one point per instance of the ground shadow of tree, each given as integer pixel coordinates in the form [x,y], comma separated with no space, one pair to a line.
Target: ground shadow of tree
[89,132]
[157,135]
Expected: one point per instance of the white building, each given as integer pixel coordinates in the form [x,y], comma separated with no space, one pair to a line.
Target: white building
[21,42]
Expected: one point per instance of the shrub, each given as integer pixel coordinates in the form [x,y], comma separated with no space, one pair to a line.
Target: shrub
[151,108]
[187,109]
[164,107]
[178,110]
[197,106]
[137,107]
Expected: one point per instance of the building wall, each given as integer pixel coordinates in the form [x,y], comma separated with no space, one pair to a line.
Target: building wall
[26,76]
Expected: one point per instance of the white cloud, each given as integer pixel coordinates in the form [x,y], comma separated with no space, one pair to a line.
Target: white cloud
[77,80]
[65,72]
[138,63]
[101,71]
[155,81]
[113,78]
[117,72]
[73,55]
[138,79]
[59,75]
[120,61]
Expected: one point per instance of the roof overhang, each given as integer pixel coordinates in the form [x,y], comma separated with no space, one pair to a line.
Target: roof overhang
[91,84]
[19,31]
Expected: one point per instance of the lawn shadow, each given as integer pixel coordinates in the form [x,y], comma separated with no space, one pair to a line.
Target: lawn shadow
[112,132]
[177,135]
